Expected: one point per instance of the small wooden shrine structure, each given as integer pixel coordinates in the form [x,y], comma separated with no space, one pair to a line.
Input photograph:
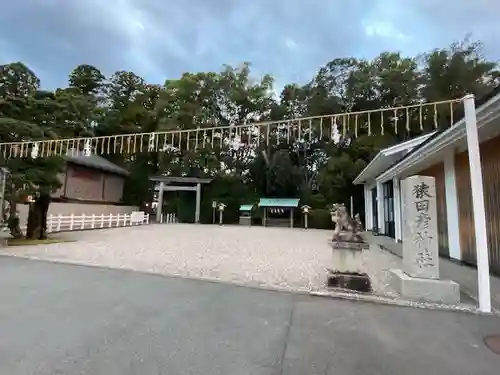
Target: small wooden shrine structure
[278,212]
[246,214]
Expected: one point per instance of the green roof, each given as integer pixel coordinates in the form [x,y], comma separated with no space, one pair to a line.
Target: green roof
[279,202]
[246,207]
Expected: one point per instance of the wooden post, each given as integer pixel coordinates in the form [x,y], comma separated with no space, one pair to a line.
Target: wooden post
[110,221]
[102,220]
[478,207]
[71,220]
[92,223]
[82,225]
[159,213]
[198,203]
[352,207]
[49,224]
[3,180]
[59,220]
[214,207]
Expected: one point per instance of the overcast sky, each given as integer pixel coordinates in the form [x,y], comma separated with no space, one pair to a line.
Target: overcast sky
[290,39]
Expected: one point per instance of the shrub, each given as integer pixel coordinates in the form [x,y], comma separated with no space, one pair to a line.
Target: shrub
[320,219]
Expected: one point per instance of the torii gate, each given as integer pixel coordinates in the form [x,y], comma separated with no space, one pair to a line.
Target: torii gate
[164,185]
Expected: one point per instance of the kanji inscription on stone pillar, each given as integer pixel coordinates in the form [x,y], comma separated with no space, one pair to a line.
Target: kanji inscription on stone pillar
[420,227]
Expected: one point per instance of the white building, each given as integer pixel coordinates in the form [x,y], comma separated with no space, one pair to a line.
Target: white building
[465,162]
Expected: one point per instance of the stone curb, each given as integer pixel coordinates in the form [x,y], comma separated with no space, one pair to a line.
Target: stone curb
[401,302]
[336,294]
[462,289]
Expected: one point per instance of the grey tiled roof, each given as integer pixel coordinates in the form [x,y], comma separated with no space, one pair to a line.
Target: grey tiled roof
[97,162]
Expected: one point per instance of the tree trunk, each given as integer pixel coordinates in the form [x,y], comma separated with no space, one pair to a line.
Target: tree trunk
[13,220]
[37,218]
[33,222]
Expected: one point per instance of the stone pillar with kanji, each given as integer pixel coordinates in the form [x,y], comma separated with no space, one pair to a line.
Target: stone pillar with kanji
[419,278]
[420,227]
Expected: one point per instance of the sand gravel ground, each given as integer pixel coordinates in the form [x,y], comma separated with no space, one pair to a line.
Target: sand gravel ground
[277,258]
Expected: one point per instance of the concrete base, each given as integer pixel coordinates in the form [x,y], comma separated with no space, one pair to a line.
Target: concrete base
[433,290]
[353,281]
[245,220]
[4,237]
[349,245]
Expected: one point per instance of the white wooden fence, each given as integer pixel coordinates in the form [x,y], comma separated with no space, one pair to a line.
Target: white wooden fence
[58,223]
[168,219]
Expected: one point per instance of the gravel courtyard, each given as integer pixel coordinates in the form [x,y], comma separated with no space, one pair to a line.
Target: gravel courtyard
[279,258]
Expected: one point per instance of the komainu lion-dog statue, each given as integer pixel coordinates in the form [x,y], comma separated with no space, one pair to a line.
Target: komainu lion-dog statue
[346,228]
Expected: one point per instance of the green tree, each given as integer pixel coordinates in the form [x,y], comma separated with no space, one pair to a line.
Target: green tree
[83,101]
[315,169]
[27,114]
[87,79]
[458,70]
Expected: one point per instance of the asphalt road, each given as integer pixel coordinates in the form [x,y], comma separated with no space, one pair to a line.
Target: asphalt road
[68,319]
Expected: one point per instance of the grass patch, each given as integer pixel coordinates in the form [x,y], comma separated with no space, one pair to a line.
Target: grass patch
[26,242]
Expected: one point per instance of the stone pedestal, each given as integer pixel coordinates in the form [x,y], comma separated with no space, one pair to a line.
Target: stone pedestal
[347,267]
[346,256]
[432,290]
[419,278]
[4,237]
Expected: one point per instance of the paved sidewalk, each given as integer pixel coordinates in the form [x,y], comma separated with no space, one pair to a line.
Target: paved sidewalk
[68,319]
[465,276]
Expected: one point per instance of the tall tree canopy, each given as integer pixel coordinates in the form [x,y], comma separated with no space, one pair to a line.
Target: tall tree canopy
[317,171]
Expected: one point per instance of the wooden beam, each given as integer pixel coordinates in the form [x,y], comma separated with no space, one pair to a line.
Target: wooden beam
[179,188]
[185,180]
